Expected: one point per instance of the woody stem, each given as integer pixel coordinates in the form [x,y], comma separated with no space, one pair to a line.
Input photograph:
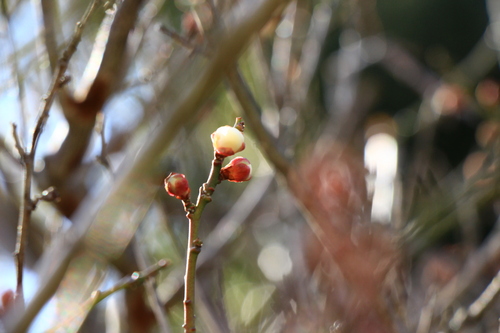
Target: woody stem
[194,243]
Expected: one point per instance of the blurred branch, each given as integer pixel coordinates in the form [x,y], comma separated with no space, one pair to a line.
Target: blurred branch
[407,69]
[129,281]
[60,72]
[494,27]
[476,266]
[177,38]
[15,66]
[252,114]
[478,307]
[103,156]
[440,216]
[140,166]
[98,85]
[321,19]
[78,313]
[153,301]
[50,20]
[246,99]
[28,155]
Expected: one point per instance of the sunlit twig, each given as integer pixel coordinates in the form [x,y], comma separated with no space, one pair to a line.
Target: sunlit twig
[28,154]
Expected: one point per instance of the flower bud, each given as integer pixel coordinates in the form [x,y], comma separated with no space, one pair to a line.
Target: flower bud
[238,170]
[177,186]
[7,299]
[228,141]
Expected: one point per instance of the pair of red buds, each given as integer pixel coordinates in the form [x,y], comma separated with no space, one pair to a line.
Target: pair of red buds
[227,141]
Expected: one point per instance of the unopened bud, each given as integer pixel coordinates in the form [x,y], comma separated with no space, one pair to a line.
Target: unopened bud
[6,302]
[177,186]
[228,141]
[238,170]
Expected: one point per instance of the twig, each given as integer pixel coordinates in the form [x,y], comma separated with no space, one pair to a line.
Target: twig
[425,319]
[94,90]
[28,156]
[59,75]
[17,142]
[103,156]
[475,266]
[141,166]
[15,65]
[129,281]
[194,243]
[154,302]
[252,114]
[50,21]
[477,308]
[49,195]
[177,38]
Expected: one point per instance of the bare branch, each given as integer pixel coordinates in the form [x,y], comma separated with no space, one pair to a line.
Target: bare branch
[177,38]
[154,302]
[252,114]
[141,168]
[17,142]
[27,206]
[50,19]
[478,307]
[103,156]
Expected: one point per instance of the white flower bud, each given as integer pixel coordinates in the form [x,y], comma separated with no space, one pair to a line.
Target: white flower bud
[228,141]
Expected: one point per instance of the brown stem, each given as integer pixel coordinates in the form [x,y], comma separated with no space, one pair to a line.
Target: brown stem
[195,244]
[23,224]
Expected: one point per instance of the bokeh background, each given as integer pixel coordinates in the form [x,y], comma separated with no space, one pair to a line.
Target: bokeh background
[373,132]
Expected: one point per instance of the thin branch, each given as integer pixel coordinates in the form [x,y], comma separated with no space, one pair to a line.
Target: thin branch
[97,296]
[15,65]
[48,195]
[478,307]
[59,74]
[28,157]
[177,38]
[129,281]
[97,85]
[154,302]
[194,243]
[103,156]
[18,143]
[476,265]
[50,19]
[141,167]
[252,113]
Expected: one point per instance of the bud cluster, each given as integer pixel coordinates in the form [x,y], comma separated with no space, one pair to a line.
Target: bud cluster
[226,141]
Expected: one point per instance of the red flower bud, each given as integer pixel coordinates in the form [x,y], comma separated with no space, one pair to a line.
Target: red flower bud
[7,300]
[228,141]
[177,186]
[238,170]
